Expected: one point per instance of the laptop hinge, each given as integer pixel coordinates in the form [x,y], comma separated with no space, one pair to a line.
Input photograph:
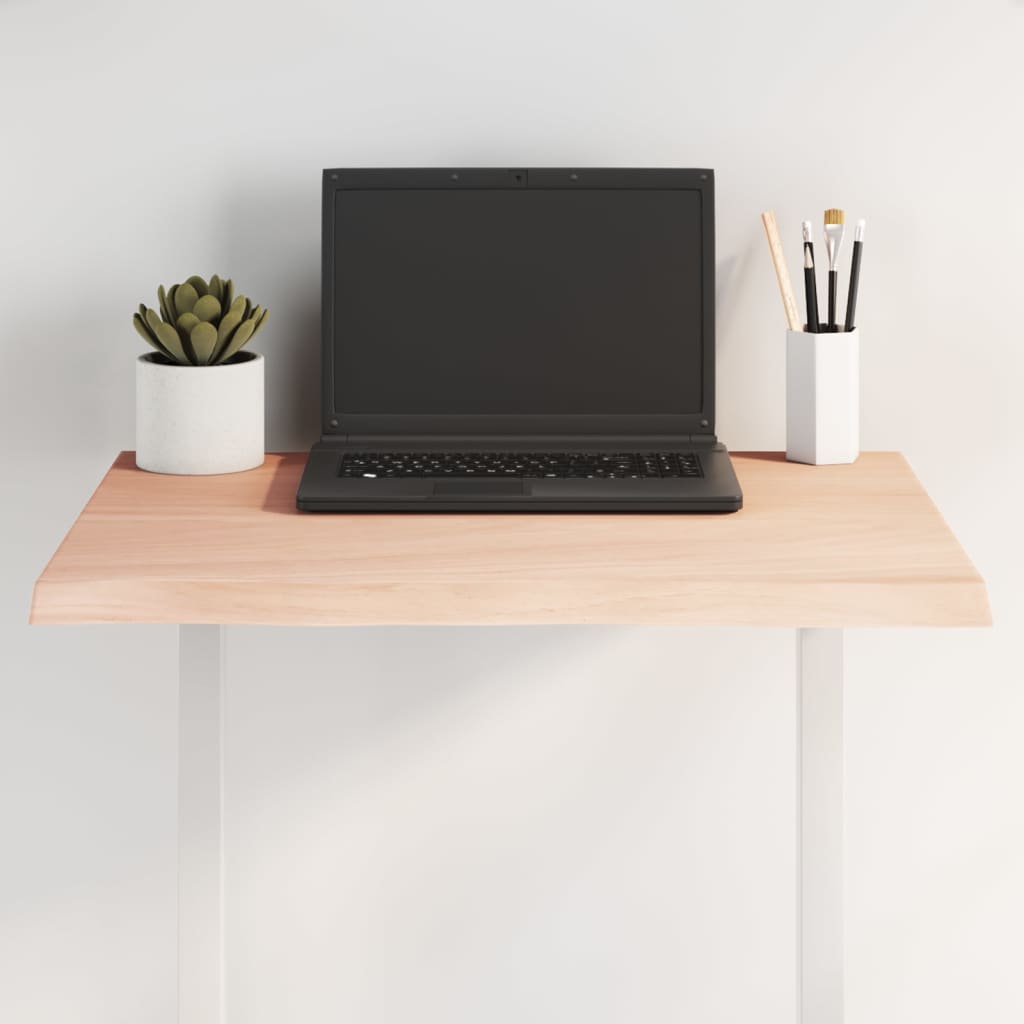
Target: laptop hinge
[412,441]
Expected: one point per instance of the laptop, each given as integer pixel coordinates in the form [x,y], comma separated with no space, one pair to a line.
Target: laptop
[518,340]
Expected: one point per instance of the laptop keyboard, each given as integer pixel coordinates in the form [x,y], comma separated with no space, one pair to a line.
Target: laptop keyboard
[557,465]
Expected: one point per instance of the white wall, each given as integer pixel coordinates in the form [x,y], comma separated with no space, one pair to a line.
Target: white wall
[519,824]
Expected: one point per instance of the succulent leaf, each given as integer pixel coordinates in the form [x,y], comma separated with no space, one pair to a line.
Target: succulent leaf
[185,297]
[199,284]
[204,341]
[229,294]
[186,346]
[242,333]
[231,319]
[185,323]
[217,288]
[171,341]
[257,319]
[165,306]
[143,328]
[207,308]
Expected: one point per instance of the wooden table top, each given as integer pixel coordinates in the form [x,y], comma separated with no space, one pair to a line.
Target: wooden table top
[858,545]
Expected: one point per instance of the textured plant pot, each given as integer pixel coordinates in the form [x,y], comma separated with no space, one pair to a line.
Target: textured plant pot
[199,420]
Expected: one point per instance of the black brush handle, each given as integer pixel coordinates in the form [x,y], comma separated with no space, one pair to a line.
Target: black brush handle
[833,284]
[811,293]
[851,302]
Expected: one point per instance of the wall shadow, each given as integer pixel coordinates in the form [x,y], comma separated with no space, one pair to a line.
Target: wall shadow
[272,234]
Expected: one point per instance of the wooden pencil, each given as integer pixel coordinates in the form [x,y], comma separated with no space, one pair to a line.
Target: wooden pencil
[781,272]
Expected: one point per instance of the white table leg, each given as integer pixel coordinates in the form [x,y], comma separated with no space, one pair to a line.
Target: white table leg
[819,802]
[200,825]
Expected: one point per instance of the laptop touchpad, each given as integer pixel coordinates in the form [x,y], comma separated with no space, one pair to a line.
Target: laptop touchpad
[478,486]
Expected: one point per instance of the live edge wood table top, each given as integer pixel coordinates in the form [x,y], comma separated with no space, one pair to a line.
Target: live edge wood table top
[858,545]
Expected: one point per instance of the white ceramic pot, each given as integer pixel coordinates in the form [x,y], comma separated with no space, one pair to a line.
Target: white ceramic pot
[822,397]
[198,420]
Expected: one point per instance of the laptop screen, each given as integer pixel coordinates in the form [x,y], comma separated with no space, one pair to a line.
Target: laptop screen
[516,301]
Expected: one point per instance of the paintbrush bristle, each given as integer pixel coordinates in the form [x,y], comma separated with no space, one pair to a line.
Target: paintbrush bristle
[835,217]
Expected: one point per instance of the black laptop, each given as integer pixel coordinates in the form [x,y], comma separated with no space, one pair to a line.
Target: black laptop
[525,340]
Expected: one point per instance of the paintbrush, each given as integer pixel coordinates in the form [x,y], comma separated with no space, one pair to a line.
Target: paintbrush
[810,281]
[851,301]
[834,229]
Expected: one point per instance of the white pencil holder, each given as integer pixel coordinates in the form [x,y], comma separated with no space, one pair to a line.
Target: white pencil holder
[822,397]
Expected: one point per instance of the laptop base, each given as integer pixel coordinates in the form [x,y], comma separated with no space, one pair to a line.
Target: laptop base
[323,489]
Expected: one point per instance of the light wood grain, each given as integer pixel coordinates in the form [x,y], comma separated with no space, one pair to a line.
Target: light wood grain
[771,229]
[858,545]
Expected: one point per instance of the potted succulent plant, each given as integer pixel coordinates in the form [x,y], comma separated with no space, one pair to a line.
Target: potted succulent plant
[199,397]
